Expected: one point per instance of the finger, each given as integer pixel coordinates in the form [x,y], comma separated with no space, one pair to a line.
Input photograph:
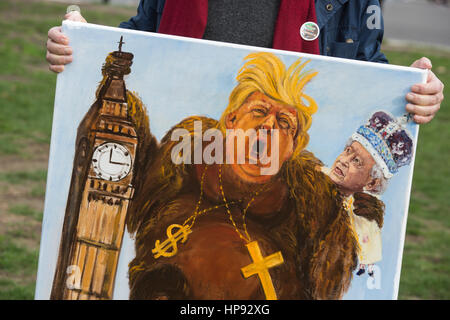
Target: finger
[74,16]
[423,119]
[421,110]
[56,68]
[57,48]
[424,100]
[55,59]
[57,36]
[422,63]
[433,86]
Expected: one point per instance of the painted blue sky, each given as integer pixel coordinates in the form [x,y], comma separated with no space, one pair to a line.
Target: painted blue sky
[178,78]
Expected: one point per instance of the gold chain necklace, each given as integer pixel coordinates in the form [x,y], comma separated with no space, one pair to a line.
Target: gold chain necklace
[169,247]
[247,237]
[260,265]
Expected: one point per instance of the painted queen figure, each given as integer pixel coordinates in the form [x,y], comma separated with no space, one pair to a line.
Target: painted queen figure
[371,157]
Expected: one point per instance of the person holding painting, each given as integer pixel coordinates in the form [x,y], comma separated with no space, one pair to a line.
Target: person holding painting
[350,29]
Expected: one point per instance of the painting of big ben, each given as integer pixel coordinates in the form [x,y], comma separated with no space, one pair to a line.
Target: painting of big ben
[192,169]
[101,189]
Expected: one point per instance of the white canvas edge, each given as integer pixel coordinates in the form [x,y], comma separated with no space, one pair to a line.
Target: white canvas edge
[405,216]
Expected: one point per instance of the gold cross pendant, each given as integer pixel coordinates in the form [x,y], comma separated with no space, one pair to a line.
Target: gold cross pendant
[261,266]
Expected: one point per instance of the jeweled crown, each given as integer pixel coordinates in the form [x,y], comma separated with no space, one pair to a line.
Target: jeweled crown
[387,140]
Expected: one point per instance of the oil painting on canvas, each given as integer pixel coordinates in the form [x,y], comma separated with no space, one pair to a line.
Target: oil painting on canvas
[193,169]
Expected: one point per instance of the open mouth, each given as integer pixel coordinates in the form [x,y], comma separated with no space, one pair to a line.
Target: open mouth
[259,163]
[338,172]
[259,150]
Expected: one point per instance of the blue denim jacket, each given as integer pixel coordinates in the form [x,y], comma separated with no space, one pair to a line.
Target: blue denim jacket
[344,29]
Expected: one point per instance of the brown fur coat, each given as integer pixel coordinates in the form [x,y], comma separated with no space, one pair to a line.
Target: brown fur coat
[312,229]
[369,207]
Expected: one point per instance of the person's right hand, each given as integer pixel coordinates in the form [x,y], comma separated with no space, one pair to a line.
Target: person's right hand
[59,52]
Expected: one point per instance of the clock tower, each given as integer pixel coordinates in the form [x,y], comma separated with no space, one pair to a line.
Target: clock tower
[101,189]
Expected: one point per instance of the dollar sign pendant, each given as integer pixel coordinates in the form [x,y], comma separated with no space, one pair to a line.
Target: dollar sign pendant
[162,249]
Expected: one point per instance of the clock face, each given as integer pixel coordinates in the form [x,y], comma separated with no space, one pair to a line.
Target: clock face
[111,161]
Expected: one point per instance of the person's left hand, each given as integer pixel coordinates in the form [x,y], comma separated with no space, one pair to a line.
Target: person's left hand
[425,98]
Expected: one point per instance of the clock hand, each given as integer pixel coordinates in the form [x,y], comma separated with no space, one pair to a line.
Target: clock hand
[113,162]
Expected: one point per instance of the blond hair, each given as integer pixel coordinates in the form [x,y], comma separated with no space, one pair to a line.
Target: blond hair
[266,73]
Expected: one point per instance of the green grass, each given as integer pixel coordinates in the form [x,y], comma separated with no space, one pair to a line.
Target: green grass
[426,260]
[11,290]
[20,264]
[16,259]
[27,91]
[20,177]
[37,192]
[27,211]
